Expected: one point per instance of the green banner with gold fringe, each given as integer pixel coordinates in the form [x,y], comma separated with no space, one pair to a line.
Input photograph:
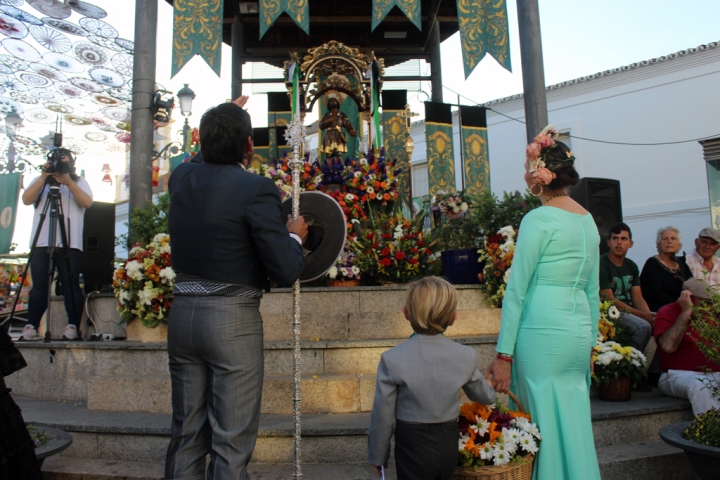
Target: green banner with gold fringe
[197,30]
[394,133]
[483,29]
[476,163]
[439,145]
[411,9]
[261,149]
[279,115]
[9,191]
[270,10]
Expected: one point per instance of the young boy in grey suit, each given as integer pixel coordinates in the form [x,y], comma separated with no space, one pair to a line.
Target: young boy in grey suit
[418,389]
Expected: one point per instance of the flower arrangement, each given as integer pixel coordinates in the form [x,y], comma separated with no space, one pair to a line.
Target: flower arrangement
[609,313]
[345,268]
[369,178]
[495,435]
[279,176]
[353,209]
[144,284]
[705,428]
[450,206]
[498,254]
[613,362]
[38,437]
[394,249]
[456,226]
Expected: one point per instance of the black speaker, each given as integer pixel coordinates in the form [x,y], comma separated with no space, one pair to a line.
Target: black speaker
[600,197]
[98,246]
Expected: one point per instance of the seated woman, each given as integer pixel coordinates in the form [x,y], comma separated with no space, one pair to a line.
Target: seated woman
[662,276]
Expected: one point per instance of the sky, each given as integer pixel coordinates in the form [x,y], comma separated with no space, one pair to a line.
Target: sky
[578,38]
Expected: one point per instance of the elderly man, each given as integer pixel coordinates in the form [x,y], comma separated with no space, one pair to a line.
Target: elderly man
[682,363]
[702,262]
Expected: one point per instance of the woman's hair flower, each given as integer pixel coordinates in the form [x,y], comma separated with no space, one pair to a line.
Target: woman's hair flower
[543,176]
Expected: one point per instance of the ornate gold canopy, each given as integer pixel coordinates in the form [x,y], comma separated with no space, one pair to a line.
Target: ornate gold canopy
[334,67]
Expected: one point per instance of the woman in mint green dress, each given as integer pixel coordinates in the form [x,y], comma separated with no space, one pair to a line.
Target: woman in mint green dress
[550,316]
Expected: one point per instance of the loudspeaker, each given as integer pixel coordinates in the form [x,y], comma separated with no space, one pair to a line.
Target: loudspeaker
[98,246]
[600,197]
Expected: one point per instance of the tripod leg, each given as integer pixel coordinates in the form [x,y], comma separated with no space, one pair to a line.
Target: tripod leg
[70,278]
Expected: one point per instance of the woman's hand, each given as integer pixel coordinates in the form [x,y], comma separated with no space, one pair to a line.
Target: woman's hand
[499,375]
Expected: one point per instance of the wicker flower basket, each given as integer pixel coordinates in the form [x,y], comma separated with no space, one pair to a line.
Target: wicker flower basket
[521,470]
[616,391]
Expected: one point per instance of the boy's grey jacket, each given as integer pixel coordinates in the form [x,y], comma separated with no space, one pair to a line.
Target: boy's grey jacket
[420,381]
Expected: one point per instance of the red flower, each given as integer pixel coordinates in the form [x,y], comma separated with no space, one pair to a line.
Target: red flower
[387,236]
[400,255]
[369,235]
[421,243]
[414,250]
[385,252]
[413,260]
[428,251]
[386,262]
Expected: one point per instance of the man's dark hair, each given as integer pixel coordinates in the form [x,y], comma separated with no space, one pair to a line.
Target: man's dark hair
[619,228]
[224,131]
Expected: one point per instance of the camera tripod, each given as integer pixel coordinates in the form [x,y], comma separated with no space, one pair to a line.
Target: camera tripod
[53,202]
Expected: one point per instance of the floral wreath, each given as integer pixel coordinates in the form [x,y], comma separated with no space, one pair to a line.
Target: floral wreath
[536,153]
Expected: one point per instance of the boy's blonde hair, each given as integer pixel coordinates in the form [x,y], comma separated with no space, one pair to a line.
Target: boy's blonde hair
[430,305]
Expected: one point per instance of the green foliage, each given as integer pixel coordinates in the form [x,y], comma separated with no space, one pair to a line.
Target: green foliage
[705,323]
[493,213]
[39,437]
[705,429]
[456,225]
[146,222]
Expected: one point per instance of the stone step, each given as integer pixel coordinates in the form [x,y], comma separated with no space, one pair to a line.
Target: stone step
[68,370]
[648,460]
[357,313]
[327,438]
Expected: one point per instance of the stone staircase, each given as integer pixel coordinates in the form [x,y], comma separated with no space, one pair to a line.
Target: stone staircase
[114,397]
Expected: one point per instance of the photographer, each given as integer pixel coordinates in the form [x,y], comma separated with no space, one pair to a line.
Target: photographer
[75,196]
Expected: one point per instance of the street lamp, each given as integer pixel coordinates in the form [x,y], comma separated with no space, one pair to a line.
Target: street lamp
[12,122]
[186,96]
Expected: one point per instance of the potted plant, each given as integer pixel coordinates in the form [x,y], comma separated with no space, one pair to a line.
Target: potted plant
[617,370]
[700,439]
[458,236]
[496,442]
[144,285]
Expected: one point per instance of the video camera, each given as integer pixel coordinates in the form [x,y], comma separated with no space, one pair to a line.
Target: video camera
[55,156]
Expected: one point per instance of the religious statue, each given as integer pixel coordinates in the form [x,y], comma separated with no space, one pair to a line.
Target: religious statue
[333,123]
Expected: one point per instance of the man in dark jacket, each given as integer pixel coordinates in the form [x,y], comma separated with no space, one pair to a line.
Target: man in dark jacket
[229,241]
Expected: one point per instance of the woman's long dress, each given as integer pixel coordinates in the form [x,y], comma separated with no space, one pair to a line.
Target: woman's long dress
[549,323]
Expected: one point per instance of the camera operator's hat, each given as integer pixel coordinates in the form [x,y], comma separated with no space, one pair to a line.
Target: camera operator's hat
[710,233]
[699,288]
[327,231]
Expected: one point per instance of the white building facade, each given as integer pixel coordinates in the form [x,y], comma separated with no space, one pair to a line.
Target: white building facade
[667,99]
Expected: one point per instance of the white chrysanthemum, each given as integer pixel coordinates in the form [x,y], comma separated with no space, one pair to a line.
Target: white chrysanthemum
[512,434]
[501,457]
[483,427]
[134,270]
[613,313]
[487,452]
[124,295]
[165,248]
[146,295]
[464,207]
[357,174]
[462,441]
[167,274]
[133,251]
[370,190]
[528,444]
[355,270]
[349,197]
[363,161]
[160,237]
[507,232]
[506,277]
[333,272]
[600,338]
[507,246]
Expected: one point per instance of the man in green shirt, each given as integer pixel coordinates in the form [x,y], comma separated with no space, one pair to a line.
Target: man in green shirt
[620,281]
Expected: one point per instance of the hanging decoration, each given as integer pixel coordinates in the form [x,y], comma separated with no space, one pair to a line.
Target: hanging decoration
[373,74]
[197,30]
[476,163]
[483,28]
[439,144]
[270,10]
[411,9]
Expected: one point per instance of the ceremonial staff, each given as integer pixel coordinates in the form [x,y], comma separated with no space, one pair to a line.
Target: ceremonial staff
[295,135]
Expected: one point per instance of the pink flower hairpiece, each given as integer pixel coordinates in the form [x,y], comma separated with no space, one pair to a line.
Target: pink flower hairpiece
[545,139]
